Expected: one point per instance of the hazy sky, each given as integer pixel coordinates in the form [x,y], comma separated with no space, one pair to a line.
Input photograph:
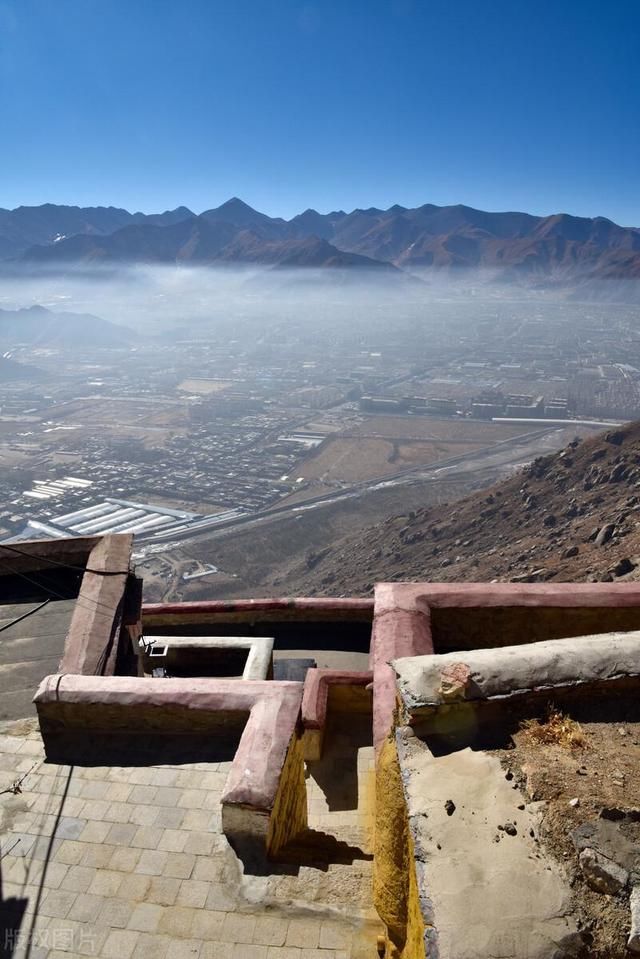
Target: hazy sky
[147,104]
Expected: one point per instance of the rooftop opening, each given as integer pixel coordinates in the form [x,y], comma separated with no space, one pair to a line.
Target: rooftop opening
[335,634]
[312,634]
[223,663]
[461,628]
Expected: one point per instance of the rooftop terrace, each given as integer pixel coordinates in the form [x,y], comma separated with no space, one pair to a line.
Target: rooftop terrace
[306,778]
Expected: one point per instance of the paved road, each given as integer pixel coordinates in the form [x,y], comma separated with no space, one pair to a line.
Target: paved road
[513,452]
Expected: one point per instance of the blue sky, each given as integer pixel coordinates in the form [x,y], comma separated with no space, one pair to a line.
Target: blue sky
[147,104]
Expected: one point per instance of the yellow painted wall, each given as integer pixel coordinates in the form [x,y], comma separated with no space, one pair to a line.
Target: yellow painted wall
[289,813]
[395,889]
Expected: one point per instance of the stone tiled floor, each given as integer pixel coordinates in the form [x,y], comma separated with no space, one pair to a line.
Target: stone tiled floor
[130,861]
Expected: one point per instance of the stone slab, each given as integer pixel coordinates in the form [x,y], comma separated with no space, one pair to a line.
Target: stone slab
[484,892]
[430,682]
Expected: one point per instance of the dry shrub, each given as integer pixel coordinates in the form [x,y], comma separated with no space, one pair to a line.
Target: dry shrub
[556,730]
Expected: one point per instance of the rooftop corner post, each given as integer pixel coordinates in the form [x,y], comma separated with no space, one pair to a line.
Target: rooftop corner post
[107,613]
[401,627]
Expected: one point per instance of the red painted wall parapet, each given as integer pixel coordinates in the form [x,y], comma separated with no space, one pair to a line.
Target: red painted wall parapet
[407,615]
[470,595]
[399,629]
[246,610]
[315,700]
[254,791]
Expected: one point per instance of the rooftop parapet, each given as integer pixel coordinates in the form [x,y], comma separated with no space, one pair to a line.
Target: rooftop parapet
[264,800]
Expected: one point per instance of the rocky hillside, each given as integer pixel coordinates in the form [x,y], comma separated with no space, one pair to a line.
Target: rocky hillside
[570,516]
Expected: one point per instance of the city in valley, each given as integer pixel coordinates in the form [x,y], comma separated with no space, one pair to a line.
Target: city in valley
[302,406]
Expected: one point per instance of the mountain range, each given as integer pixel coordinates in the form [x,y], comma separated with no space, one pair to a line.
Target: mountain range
[36,326]
[559,249]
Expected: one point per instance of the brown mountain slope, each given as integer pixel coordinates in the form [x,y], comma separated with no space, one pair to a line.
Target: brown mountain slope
[26,225]
[559,250]
[201,240]
[570,516]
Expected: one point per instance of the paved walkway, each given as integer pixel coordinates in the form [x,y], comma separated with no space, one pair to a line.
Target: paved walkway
[128,862]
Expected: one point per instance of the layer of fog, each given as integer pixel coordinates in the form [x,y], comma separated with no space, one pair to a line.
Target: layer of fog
[171,301]
[157,299]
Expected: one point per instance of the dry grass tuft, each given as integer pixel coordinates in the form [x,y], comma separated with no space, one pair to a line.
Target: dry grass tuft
[557,729]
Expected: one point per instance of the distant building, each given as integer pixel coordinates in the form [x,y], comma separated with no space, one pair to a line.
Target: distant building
[439,404]
[523,405]
[384,404]
[488,404]
[318,397]
[556,408]
[486,411]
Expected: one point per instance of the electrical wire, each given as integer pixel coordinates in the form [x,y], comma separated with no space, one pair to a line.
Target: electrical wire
[19,619]
[55,562]
[80,600]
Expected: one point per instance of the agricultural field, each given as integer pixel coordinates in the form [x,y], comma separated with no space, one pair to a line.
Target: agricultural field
[352,459]
[204,386]
[383,445]
[431,428]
